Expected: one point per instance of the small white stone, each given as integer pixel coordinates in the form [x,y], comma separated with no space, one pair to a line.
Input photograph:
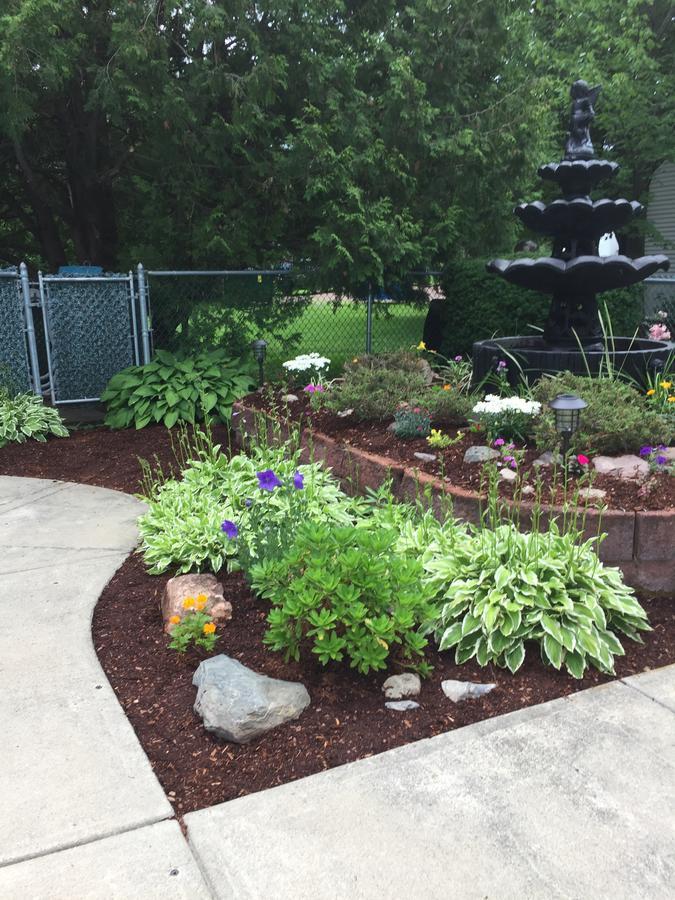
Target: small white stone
[289,398]
[398,687]
[480,454]
[508,474]
[592,494]
[402,705]
[528,489]
[627,467]
[343,413]
[548,458]
[465,690]
[425,457]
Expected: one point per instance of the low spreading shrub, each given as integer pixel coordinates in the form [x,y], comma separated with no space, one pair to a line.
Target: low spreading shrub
[24,417]
[347,592]
[373,392]
[173,389]
[618,418]
[446,405]
[501,589]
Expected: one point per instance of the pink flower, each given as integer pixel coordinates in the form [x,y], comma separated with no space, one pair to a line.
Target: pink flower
[499,442]
[583,460]
[659,332]
[313,388]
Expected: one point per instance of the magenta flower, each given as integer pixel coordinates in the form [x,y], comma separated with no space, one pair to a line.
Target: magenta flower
[458,358]
[229,529]
[298,481]
[267,480]
[313,388]
[500,442]
[582,459]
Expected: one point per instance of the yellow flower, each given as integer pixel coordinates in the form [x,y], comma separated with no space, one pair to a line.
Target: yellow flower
[356,359]
[189,603]
[447,387]
[174,620]
[671,399]
[421,346]
[209,628]
[202,600]
[666,385]
[651,392]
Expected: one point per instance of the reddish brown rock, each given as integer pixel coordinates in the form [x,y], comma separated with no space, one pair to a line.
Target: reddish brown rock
[182,586]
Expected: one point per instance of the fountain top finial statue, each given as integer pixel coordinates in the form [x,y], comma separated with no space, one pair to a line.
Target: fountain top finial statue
[579,144]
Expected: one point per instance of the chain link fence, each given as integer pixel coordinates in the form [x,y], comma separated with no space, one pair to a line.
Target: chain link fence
[192,310]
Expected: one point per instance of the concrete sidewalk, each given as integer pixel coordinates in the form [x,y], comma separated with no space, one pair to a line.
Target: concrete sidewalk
[72,772]
[571,799]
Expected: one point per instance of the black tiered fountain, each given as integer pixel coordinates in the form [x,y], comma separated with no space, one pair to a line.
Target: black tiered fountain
[573,337]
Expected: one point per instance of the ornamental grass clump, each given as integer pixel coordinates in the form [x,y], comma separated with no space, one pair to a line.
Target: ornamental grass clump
[501,589]
[346,593]
[511,418]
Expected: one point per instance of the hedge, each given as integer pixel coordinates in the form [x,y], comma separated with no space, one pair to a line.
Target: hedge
[481,305]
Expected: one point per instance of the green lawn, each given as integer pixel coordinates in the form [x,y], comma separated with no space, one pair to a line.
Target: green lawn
[340,332]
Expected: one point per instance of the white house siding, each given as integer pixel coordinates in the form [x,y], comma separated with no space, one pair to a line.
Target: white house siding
[661,214]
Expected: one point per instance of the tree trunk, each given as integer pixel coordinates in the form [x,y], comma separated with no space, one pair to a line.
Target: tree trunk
[44,227]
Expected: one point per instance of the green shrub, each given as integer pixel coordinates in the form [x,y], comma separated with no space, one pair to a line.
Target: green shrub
[446,406]
[411,422]
[618,418]
[182,527]
[375,392]
[502,589]
[480,305]
[25,416]
[173,389]
[349,594]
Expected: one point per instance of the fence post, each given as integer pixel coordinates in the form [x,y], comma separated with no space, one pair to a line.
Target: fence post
[369,322]
[143,312]
[30,330]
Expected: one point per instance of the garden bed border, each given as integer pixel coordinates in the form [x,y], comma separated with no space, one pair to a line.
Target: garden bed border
[641,543]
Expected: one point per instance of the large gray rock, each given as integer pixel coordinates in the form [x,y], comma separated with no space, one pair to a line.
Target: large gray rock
[480,454]
[238,704]
[398,687]
[457,691]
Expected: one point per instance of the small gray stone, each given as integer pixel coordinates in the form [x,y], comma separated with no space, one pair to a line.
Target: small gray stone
[548,458]
[480,454]
[397,687]
[425,457]
[465,690]
[627,467]
[402,705]
[289,398]
[343,413]
[238,704]
[391,427]
[528,489]
[508,474]
[592,493]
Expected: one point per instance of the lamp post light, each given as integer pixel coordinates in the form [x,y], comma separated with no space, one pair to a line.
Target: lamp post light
[567,409]
[259,348]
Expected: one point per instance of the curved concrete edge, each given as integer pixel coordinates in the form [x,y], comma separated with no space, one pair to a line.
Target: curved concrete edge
[641,544]
[573,798]
[73,770]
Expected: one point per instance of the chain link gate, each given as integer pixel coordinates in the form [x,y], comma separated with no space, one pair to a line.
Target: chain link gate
[91,326]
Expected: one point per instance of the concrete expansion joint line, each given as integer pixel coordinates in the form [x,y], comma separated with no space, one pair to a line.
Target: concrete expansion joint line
[638,690]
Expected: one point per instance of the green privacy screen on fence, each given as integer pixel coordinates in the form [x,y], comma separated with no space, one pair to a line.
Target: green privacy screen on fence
[14,372]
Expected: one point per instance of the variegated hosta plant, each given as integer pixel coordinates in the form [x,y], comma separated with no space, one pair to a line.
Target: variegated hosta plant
[501,589]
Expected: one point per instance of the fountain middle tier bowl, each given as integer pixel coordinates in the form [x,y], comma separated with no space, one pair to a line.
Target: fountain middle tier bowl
[531,355]
[582,275]
[582,218]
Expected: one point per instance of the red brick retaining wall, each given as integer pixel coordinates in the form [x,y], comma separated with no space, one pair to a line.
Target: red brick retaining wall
[641,544]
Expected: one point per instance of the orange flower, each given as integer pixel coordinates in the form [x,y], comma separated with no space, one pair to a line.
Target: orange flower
[209,628]
[447,387]
[174,620]
[651,392]
[189,603]
[201,601]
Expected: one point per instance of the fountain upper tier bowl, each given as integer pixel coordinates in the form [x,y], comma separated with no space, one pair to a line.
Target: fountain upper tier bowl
[581,218]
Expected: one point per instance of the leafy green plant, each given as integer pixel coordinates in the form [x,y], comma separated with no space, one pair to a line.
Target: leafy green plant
[618,417]
[446,404]
[411,422]
[182,527]
[438,440]
[24,417]
[173,389]
[373,390]
[348,593]
[196,628]
[501,589]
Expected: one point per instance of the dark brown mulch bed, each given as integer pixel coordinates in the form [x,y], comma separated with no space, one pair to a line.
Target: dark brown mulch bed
[347,719]
[657,492]
[97,456]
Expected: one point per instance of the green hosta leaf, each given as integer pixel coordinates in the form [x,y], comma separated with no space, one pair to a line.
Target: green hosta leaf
[465,649]
[575,664]
[515,657]
[451,636]
[553,650]
[490,617]
[553,628]
[470,624]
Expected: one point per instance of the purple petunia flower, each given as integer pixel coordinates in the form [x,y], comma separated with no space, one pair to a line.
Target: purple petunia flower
[267,480]
[298,481]
[646,451]
[509,459]
[458,358]
[230,529]
[661,460]
[500,442]
[501,365]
